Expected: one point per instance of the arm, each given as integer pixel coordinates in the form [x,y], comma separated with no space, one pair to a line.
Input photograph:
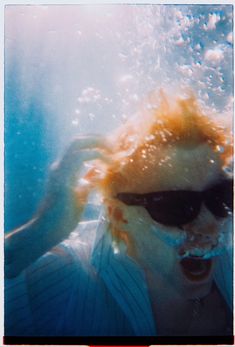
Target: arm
[60,211]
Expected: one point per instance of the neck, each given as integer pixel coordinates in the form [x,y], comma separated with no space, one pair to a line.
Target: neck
[176,315]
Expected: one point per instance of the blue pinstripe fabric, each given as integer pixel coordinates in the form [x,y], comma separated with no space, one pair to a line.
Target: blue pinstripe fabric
[64,294]
[224,276]
[126,282]
[81,290]
[18,318]
[224,266]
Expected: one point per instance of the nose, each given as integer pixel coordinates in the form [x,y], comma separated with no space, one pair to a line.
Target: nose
[203,232]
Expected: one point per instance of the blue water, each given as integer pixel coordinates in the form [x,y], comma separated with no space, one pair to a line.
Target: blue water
[84,69]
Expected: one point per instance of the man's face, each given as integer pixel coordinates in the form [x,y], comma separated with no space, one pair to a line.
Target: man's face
[177,168]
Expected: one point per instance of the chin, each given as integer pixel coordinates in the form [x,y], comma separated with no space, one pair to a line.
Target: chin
[194,291]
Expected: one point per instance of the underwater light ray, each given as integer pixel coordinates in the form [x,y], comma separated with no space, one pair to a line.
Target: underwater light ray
[81,69]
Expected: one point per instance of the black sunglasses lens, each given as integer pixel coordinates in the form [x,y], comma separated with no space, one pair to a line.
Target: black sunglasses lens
[177,208]
[174,208]
[219,199]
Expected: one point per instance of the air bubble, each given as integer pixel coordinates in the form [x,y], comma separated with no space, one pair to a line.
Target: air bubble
[91,116]
[75,122]
[149,137]
[228,170]
[219,149]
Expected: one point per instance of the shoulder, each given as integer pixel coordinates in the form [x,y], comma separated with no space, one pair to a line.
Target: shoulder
[17,315]
[36,301]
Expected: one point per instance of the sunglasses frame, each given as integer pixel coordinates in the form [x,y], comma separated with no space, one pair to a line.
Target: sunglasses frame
[180,207]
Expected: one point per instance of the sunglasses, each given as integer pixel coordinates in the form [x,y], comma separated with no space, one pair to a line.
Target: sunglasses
[180,207]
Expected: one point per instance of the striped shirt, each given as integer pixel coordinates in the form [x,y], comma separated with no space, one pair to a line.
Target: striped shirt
[83,287]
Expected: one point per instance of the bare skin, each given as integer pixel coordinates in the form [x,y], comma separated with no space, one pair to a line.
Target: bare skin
[59,212]
[171,294]
[176,316]
[176,174]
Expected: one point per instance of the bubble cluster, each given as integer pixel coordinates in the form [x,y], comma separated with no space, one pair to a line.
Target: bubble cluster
[98,63]
[88,95]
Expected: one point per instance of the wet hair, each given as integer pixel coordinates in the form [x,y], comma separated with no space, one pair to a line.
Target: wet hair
[161,122]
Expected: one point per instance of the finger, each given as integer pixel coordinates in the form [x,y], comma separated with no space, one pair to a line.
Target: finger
[76,158]
[88,155]
[83,143]
[89,142]
[67,171]
[73,163]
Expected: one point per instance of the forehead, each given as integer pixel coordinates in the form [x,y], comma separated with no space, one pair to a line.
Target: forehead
[174,168]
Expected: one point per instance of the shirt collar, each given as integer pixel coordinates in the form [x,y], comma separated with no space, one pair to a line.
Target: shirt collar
[124,279]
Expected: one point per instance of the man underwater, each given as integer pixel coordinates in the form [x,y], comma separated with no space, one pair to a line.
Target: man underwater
[157,260]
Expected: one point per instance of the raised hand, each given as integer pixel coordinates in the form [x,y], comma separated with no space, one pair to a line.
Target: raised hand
[61,209]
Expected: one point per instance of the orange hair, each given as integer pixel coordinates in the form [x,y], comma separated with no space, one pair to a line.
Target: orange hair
[181,123]
[134,145]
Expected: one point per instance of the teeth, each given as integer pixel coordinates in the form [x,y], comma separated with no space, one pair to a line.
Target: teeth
[197,252]
[186,254]
[205,253]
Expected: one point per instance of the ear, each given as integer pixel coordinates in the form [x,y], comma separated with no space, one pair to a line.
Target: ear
[116,211]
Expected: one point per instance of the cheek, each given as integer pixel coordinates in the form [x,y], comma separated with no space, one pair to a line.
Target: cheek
[133,225]
[133,218]
[151,249]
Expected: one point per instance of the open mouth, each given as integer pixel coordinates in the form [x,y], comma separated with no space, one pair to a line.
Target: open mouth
[196,268]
